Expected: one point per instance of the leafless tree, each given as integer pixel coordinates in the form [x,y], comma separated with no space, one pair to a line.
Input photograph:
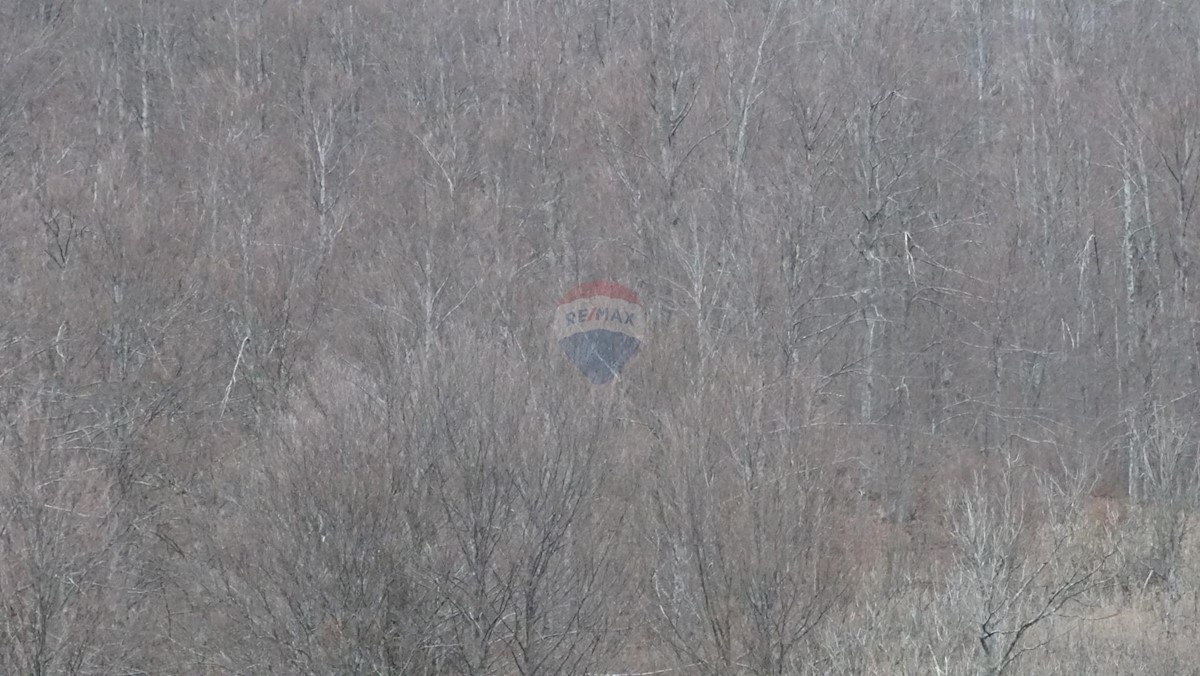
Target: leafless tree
[277,393]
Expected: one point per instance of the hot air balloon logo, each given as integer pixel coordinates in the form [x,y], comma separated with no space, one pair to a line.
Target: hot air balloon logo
[599,328]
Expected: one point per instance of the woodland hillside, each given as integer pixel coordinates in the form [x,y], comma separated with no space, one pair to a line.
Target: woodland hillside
[279,394]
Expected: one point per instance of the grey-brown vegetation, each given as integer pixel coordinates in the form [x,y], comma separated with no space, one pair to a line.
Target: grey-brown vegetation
[278,393]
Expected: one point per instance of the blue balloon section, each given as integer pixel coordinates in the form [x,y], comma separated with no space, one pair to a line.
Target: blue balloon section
[599,328]
[599,353]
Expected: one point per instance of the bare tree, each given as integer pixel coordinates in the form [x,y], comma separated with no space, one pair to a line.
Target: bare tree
[745,566]
[1014,571]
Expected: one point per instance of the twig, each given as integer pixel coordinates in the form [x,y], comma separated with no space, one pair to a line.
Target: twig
[233,376]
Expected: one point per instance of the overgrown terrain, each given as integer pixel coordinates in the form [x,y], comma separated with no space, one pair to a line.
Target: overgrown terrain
[279,394]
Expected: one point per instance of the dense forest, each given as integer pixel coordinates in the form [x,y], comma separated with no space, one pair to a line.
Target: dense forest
[279,392]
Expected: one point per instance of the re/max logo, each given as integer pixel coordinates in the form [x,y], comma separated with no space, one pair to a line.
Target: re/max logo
[599,314]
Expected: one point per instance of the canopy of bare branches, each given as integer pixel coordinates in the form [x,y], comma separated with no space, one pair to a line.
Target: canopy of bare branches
[280,391]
